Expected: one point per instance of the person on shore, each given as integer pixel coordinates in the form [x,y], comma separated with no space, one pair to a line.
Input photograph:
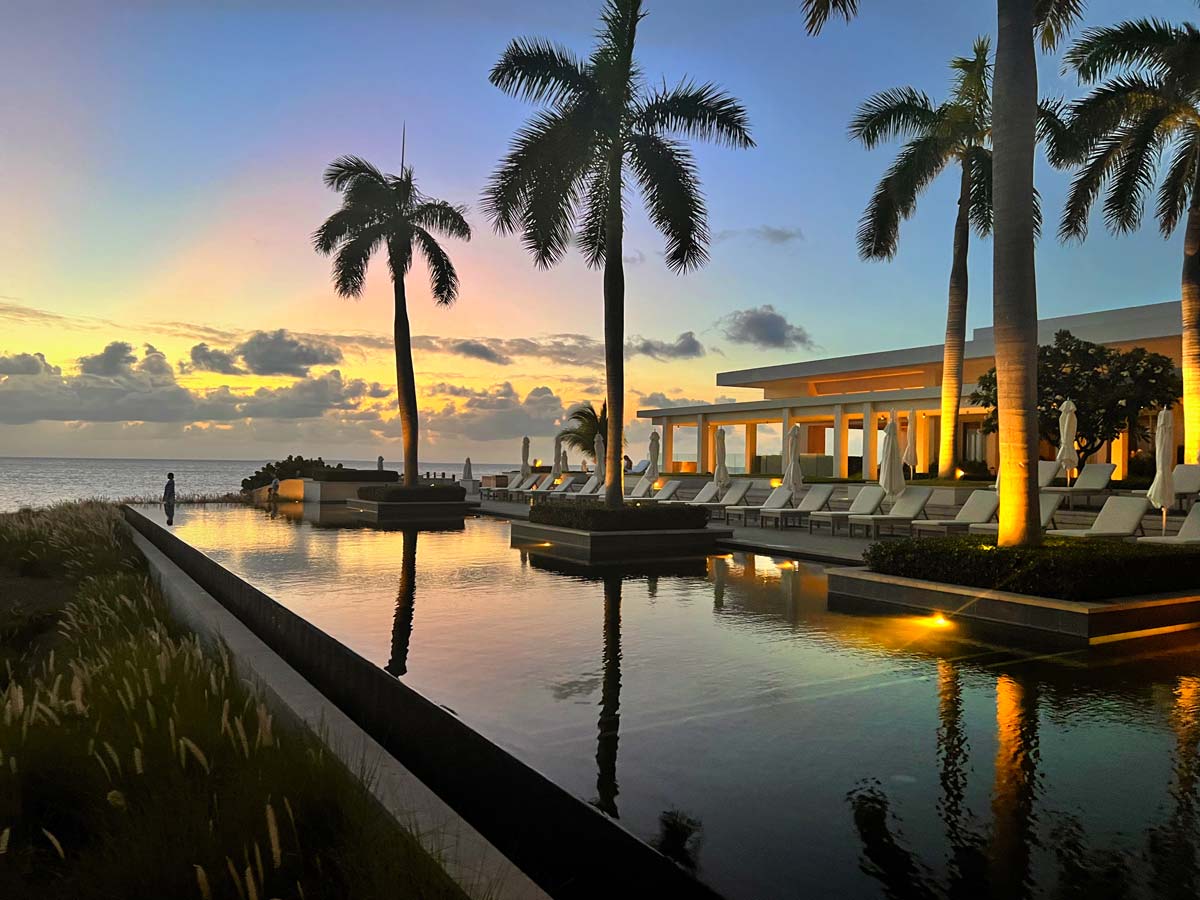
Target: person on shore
[273,490]
[169,498]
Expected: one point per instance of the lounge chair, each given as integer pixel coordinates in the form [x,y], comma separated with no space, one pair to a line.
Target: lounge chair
[1093,479]
[591,490]
[867,503]
[541,485]
[778,499]
[515,483]
[1189,531]
[664,494]
[559,490]
[908,506]
[1119,518]
[1048,505]
[641,489]
[706,493]
[736,494]
[817,498]
[1186,478]
[1048,470]
[980,507]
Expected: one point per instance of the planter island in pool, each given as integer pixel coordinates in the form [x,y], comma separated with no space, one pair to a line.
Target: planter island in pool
[416,513]
[617,546]
[1058,622]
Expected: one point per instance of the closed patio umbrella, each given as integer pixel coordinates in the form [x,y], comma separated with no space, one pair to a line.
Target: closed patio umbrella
[793,477]
[721,473]
[556,468]
[467,474]
[910,443]
[525,470]
[598,449]
[891,469]
[1162,489]
[563,466]
[652,455]
[1068,422]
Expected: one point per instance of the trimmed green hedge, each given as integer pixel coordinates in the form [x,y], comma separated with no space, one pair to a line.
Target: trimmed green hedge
[1063,568]
[340,474]
[418,493]
[597,517]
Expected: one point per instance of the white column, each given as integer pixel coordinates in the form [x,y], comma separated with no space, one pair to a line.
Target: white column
[668,446]
[870,430]
[701,443]
[751,445]
[923,455]
[841,462]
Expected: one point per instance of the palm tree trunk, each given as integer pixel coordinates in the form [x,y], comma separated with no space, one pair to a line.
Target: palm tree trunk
[406,384]
[1190,297]
[1014,114]
[614,334]
[956,332]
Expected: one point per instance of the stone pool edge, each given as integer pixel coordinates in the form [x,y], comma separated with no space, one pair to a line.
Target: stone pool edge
[469,859]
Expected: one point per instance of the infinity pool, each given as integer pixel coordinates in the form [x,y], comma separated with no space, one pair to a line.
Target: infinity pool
[782,750]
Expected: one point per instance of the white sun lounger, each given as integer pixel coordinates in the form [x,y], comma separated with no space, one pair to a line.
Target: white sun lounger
[664,494]
[1186,479]
[1189,531]
[515,483]
[1048,470]
[980,507]
[1093,479]
[542,484]
[908,506]
[1048,505]
[705,494]
[817,498]
[559,490]
[778,499]
[591,490]
[1119,518]
[867,503]
[641,489]
[736,494]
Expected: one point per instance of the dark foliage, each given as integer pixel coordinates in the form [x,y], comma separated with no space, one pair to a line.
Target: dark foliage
[595,517]
[417,493]
[1066,569]
[340,474]
[292,467]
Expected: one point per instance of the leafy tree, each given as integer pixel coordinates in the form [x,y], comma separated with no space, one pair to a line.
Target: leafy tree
[1146,116]
[564,175]
[292,467]
[580,435]
[1110,388]
[388,212]
[1014,286]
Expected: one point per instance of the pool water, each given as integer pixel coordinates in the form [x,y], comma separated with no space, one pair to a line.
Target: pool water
[722,712]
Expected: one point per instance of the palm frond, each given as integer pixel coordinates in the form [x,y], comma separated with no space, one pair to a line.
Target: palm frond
[592,233]
[1064,146]
[1086,186]
[899,112]
[895,198]
[345,169]
[1140,44]
[443,217]
[666,172]
[818,12]
[346,223]
[1133,174]
[350,263]
[978,161]
[1055,18]
[580,435]
[701,111]
[1175,192]
[443,279]
[973,75]
[1112,105]
[540,71]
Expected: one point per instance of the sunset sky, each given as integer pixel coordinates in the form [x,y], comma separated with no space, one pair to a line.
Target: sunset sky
[159,295]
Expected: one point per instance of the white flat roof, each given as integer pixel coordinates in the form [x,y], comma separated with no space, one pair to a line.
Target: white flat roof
[1131,323]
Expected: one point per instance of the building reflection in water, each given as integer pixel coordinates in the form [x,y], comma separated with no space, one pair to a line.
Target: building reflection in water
[402,624]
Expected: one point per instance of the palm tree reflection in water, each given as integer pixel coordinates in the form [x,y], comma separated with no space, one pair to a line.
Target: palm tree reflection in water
[610,700]
[402,625]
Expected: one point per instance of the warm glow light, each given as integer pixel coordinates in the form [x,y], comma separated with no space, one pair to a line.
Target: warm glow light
[959,473]
[787,564]
[658,485]
[937,620]
[536,461]
[776,482]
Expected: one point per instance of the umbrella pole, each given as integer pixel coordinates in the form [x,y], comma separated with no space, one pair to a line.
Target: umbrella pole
[1164,521]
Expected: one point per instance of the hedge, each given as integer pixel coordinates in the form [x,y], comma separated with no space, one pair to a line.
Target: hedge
[340,474]
[418,493]
[1062,568]
[597,517]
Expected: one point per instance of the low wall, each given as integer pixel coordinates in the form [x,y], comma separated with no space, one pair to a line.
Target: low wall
[617,546]
[570,849]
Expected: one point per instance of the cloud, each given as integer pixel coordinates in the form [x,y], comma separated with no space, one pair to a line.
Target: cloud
[686,346]
[280,353]
[27,364]
[634,258]
[31,315]
[564,349]
[767,234]
[210,359]
[766,328]
[499,413]
[378,391]
[659,400]
[115,359]
[306,398]
[480,350]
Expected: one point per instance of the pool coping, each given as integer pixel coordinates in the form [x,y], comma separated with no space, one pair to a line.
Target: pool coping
[468,857]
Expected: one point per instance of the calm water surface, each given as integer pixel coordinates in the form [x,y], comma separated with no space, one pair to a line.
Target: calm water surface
[785,750]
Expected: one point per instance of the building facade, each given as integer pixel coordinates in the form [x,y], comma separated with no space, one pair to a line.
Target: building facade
[833,400]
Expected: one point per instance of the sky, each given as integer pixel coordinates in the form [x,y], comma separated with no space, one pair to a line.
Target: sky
[160,297]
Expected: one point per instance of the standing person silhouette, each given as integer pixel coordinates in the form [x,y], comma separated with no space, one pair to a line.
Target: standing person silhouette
[169,498]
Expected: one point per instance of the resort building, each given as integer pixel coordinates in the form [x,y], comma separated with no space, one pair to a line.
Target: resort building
[839,401]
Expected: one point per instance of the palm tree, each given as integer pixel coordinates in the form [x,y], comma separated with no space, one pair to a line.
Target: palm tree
[1148,111]
[956,132]
[585,425]
[564,175]
[387,211]
[1014,285]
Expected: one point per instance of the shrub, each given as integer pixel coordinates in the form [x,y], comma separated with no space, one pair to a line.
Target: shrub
[340,474]
[292,467]
[597,517]
[1066,569]
[419,493]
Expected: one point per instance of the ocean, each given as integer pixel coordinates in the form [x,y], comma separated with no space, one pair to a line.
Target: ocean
[41,481]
